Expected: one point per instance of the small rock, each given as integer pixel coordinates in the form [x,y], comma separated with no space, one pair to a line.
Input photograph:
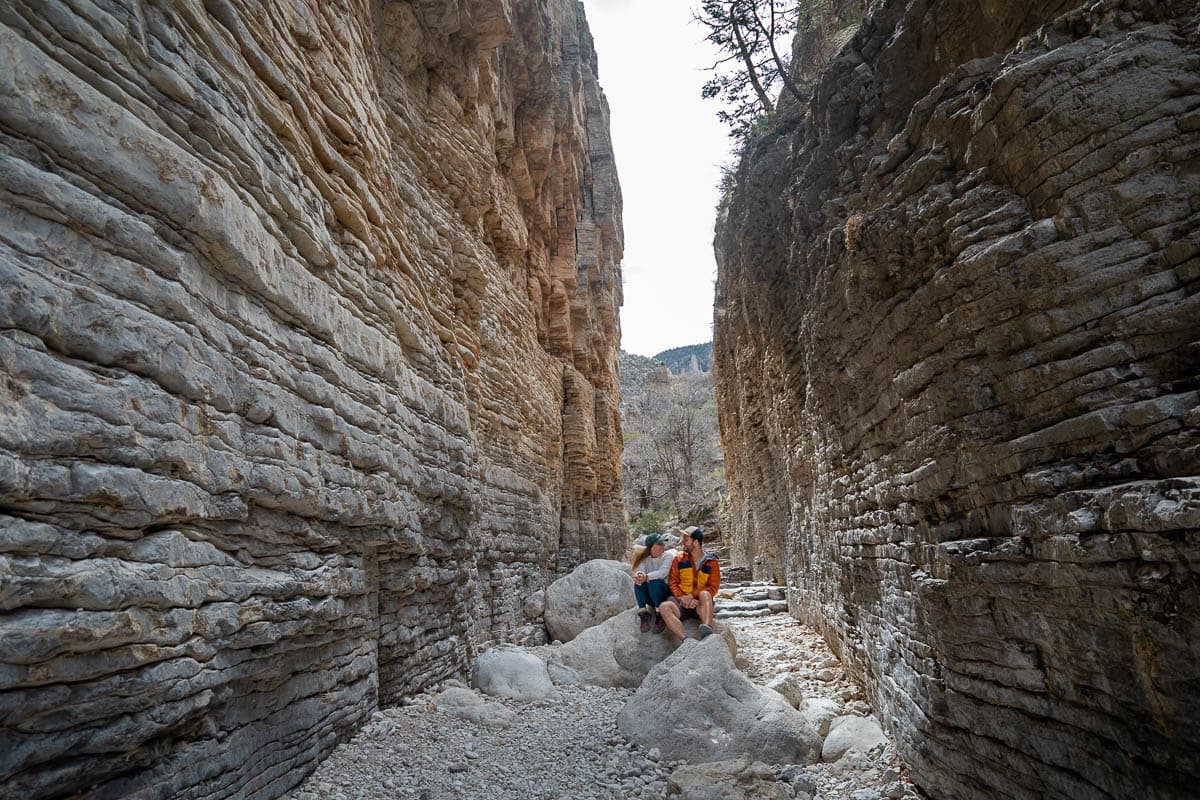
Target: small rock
[736,779]
[799,778]
[820,712]
[855,765]
[789,687]
[534,605]
[850,732]
[859,707]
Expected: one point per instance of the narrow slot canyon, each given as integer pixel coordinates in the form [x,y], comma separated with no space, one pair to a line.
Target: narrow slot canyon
[316,425]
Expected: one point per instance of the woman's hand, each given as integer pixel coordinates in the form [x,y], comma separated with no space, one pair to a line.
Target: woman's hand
[639,578]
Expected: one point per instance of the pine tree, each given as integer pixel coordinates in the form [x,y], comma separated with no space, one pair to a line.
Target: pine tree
[748,32]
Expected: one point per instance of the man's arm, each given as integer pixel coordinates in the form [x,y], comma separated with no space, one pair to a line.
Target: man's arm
[673,578]
[714,578]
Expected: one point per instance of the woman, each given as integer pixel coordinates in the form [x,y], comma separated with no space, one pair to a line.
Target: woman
[650,569]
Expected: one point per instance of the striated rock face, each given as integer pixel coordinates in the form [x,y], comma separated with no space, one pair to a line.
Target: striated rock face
[308,340]
[958,349]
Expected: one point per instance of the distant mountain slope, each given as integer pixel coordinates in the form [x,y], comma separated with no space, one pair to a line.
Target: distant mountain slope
[692,358]
[672,464]
[634,369]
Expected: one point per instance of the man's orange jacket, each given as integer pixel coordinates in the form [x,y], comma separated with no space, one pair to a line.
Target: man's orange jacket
[685,578]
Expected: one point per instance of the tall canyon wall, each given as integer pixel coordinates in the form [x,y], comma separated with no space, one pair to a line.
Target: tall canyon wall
[958,356]
[308,337]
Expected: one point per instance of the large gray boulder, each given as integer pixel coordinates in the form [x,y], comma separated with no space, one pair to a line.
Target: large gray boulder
[590,594]
[508,671]
[616,653]
[697,706]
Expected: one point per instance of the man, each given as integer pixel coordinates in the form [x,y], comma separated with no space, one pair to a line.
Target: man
[694,579]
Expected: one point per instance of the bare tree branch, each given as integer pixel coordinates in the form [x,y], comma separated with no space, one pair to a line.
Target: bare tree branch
[751,71]
[770,33]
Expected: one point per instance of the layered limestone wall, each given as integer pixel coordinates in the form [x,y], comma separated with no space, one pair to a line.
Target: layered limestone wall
[958,356]
[308,339]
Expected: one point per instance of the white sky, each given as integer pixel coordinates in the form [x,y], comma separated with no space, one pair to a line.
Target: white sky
[669,146]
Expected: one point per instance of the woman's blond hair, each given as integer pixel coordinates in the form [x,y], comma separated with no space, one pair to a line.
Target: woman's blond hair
[640,557]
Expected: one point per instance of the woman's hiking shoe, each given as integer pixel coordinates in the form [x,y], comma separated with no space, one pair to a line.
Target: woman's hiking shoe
[644,616]
[660,625]
[705,631]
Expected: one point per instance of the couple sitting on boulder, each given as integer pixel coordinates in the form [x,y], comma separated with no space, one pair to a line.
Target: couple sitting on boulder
[676,585]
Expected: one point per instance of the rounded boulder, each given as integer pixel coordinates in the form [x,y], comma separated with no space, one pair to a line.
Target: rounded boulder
[512,672]
[697,706]
[593,592]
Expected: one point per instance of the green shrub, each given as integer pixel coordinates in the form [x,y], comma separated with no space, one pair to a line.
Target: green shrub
[649,521]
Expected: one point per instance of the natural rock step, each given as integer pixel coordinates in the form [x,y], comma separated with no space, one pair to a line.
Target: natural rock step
[774,606]
[758,589]
[733,614]
[774,593]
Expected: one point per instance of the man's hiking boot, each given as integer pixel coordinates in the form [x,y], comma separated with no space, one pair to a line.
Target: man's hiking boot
[660,625]
[705,631]
[644,616]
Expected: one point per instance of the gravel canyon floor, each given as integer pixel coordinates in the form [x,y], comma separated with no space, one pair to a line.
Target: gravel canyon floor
[570,747]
